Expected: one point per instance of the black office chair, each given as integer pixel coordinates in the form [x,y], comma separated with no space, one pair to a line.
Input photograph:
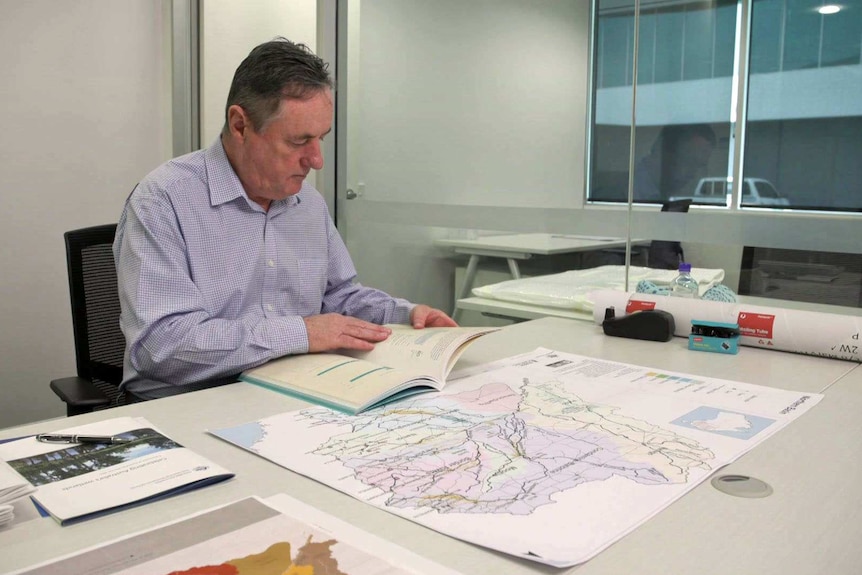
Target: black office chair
[663,254]
[99,343]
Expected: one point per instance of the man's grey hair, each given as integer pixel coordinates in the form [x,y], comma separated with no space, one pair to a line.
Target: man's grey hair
[274,71]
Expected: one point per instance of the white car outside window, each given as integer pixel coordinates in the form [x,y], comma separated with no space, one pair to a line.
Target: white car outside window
[755,192]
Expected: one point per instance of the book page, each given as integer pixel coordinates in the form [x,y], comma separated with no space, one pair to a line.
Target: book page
[337,380]
[431,350]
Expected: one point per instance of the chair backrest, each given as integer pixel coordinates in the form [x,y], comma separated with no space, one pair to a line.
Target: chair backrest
[99,343]
[676,205]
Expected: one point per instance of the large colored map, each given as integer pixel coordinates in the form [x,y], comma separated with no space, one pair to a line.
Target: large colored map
[532,444]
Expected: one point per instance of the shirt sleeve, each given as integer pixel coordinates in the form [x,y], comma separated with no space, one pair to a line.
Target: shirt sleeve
[346,296]
[170,337]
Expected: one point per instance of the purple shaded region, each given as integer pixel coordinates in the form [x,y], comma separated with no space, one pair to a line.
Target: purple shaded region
[437,453]
[500,465]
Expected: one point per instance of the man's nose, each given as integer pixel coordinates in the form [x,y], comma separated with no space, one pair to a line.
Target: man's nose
[314,155]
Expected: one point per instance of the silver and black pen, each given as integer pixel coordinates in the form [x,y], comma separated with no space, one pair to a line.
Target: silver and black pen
[62,438]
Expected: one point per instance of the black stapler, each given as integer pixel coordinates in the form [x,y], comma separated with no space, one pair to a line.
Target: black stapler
[652,324]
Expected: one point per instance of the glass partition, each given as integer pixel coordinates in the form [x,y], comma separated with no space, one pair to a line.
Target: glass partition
[461,121]
[750,110]
[803,130]
[464,127]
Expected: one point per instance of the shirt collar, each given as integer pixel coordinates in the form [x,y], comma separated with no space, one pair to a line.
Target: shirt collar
[224,184]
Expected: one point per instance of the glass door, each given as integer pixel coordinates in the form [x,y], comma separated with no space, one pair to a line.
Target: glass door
[460,120]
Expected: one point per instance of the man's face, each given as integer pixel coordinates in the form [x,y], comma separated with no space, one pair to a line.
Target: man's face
[273,161]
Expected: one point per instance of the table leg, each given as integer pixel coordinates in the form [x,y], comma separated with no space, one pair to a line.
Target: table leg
[513,268]
[467,286]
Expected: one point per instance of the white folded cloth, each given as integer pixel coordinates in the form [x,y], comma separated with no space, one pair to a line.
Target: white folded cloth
[571,289]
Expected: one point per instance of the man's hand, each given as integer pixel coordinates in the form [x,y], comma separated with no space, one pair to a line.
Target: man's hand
[425,316]
[332,331]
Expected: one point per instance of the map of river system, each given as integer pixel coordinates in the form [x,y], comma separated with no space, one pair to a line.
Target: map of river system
[551,458]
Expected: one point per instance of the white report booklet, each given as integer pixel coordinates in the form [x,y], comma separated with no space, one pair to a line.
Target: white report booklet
[76,481]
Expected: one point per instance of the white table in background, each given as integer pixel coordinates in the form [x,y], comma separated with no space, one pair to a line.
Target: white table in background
[521,311]
[812,523]
[515,247]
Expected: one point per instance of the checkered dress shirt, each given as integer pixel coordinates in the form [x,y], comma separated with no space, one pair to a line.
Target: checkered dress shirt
[211,284]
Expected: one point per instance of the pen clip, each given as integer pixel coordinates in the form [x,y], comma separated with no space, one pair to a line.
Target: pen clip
[55,438]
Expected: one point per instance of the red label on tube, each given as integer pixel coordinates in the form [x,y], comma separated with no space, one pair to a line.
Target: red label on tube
[634,305]
[758,325]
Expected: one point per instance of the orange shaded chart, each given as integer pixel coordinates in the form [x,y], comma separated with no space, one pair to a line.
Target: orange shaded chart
[276,536]
[313,558]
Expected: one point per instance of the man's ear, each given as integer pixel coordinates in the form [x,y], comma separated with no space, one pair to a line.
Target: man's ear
[237,121]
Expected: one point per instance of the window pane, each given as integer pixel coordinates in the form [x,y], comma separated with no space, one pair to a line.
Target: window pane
[699,29]
[842,34]
[668,46]
[646,43]
[766,25]
[725,35]
[614,52]
[804,129]
[802,26]
[685,62]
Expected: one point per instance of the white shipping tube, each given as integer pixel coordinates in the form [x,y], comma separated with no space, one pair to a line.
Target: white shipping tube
[809,332]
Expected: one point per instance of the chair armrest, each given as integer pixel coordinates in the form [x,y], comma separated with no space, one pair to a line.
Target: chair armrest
[79,395]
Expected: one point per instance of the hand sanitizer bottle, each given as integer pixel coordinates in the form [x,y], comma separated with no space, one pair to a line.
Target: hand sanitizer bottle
[684,285]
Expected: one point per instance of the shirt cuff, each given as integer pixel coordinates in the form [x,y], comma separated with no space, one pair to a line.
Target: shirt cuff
[285,335]
[401,313]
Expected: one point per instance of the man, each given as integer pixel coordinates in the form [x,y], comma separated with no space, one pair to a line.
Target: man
[227,258]
[677,158]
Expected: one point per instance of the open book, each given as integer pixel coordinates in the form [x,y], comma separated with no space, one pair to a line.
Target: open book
[76,481]
[409,361]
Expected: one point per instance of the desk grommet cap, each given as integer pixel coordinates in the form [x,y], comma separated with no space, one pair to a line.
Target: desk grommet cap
[741,486]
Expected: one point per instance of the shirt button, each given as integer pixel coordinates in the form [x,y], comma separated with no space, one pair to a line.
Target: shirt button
[269,307]
[270,263]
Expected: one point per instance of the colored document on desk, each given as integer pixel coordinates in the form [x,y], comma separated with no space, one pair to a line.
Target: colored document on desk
[247,537]
[410,361]
[81,480]
[550,457]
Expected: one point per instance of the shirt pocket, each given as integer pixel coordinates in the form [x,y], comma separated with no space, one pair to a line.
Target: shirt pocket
[304,284]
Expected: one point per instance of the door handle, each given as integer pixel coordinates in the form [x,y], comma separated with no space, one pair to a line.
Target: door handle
[351,195]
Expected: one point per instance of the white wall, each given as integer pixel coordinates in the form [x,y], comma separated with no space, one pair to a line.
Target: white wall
[478,103]
[86,113]
[459,114]
[230,29]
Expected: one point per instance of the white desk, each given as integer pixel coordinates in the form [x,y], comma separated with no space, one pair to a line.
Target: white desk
[514,247]
[522,311]
[518,311]
[811,523]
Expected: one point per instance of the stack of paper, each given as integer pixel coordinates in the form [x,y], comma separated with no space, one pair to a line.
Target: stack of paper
[80,480]
[12,487]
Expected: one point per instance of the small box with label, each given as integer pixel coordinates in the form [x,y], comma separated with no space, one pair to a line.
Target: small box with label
[714,336]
